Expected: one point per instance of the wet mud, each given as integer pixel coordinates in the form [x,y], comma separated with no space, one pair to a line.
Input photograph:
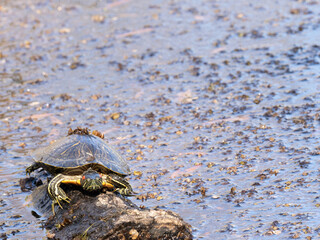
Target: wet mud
[215,105]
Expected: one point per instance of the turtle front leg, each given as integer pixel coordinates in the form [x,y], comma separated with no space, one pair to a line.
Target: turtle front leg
[126,191]
[119,184]
[56,193]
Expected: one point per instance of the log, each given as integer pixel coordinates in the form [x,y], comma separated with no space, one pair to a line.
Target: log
[106,215]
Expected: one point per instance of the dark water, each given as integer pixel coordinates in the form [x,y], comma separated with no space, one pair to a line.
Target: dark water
[215,105]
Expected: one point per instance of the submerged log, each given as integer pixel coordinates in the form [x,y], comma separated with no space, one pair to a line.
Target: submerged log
[106,216]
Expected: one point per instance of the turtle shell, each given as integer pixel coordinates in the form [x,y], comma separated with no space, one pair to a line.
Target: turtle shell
[76,153]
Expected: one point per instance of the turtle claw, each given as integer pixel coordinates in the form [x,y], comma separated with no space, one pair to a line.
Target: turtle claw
[132,194]
[58,201]
[67,200]
[28,171]
[52,206]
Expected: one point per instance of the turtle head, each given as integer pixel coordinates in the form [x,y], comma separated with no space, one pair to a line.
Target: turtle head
[91,180]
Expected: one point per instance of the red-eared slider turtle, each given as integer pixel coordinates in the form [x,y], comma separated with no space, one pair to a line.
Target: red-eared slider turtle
[82,159]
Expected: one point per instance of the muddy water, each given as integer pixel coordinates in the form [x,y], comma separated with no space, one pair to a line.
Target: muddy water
[215,105]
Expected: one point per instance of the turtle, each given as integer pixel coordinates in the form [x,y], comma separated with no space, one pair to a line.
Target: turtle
[84,159]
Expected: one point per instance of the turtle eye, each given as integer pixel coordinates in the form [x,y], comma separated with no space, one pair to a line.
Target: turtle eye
[83,177]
